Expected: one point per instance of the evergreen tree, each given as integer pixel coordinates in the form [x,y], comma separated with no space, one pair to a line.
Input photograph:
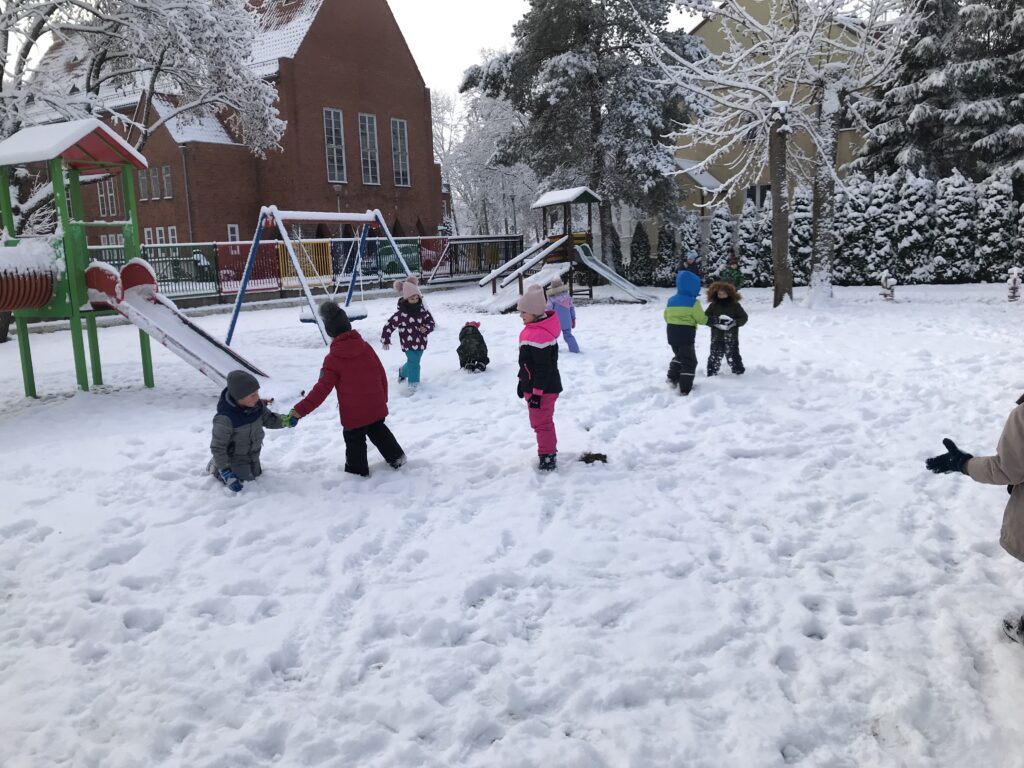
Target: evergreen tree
[763,277]
[689,234]
[800,235]
[720,242]
[640,266]
[595,112]
[906,128]
[915,230]
[955,211]
[854,246]
[667,263]
[748,241]
[882,214]
[615,251]
[985,73]
[995,229]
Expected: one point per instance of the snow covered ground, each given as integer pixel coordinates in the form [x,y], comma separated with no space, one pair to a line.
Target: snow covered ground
[763,574]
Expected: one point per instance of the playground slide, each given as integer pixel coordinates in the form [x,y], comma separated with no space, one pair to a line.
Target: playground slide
[506,299]
[503,268]
[533,261]
[609,274]
[134,295]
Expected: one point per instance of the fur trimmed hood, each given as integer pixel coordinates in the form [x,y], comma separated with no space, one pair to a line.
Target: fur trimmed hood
[722,285]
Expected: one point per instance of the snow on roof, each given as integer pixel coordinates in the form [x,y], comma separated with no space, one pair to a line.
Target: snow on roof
[28,256]
[564,196]
[203,129]
[702,179]
[81,143]
[282,30]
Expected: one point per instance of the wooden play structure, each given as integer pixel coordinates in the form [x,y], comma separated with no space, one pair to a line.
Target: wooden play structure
[562,254]
[50,277]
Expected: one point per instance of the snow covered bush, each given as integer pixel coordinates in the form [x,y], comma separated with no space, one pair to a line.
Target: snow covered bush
[853,233]
[955,211]
[915,230]
[994,236]
[720,242]
[882,215]
[667,263]
[800,235]
[640,268]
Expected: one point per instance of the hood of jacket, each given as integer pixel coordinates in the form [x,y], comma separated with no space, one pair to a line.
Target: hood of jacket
[687,290]
[347,345]
[468,332]
[542,331]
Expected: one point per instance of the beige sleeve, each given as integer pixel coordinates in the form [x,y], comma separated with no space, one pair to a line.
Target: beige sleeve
[1007,466]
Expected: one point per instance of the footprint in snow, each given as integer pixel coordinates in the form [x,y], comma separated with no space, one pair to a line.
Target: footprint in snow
[143,619]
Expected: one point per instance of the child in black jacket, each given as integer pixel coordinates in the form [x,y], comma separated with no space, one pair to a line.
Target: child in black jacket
[725,302]
[472,349]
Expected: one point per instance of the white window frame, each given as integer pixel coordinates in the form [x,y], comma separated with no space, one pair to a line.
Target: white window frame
[233,234]
[400,151]
[111,197]
[161,238]
[104,240]
[369,155]
[168,187]
[117,239]
[154,183]
[172,235]
[144,184]
[147,236]
[335,151]
[101,196]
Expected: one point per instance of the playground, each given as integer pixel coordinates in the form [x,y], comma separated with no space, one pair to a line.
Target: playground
[762,574]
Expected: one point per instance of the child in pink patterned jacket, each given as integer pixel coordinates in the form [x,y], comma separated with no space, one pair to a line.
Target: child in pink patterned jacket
[539,381]
[414,323]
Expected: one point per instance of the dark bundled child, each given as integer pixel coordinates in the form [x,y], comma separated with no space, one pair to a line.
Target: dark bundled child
[472,349]
[724,301]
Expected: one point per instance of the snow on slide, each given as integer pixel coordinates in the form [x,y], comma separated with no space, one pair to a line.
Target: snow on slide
[609,274]
[161,319]
[506,298]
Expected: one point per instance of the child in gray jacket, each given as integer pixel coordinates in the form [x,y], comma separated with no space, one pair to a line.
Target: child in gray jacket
[238,431]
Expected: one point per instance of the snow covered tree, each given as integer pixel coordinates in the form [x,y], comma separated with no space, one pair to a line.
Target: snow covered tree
[852,232]
[615,249]
[955,211]
[748,241]
[689,234]
[904,122]
[593,116]
[667,263]
[995,229]
[720,242]
[800,235]
[641,270]
[915,230]
[882,214]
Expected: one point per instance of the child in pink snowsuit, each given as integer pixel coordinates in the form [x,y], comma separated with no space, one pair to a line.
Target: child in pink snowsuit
[560,302]
[539,382]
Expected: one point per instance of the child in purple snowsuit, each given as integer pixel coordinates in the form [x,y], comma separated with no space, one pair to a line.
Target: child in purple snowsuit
[413,323]
[560,302]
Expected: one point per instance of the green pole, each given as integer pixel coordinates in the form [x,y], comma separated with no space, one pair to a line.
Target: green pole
[26,357]
[94,349]
[74,258]
[6,209]
[131,231]
[147,360]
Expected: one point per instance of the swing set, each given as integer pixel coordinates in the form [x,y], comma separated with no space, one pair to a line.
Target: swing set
[271,216]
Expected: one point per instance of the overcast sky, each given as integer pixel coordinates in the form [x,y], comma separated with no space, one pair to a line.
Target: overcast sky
[446,37]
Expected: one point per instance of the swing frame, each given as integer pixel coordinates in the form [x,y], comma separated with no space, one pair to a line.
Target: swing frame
[271,215]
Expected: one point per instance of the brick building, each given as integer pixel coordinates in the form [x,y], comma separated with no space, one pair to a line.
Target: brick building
[358,135]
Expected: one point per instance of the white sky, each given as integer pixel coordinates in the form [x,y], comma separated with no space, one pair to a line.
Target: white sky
[446,37]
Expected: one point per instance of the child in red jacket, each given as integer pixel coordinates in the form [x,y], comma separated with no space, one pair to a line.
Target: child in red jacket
[354,371]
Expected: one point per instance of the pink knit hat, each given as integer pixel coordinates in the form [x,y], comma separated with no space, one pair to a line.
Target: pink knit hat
[408,288]
[533,302]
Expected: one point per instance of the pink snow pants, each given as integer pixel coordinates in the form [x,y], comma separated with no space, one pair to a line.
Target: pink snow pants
[543,422]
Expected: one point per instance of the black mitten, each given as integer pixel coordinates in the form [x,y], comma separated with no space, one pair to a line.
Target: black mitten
[954,460]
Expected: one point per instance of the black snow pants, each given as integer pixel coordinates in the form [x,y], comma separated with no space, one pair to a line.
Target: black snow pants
[683,366]
[355,447]
[725,343]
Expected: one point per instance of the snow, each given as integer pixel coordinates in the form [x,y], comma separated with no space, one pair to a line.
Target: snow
[29,256]
[763,574]
[282,30]
[204,129]
[702,179]
[563,196]
[45,142]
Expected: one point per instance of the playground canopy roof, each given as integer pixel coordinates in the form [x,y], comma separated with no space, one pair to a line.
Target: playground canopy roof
[85,145]
[567,197]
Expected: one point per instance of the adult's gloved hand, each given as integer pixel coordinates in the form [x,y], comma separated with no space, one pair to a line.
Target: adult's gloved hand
[534,400]
[954,460]
[231,480]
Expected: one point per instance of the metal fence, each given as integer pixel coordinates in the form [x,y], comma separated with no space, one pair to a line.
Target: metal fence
[193,270]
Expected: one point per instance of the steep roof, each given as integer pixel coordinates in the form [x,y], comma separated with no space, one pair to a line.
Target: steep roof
[282,30]
[185,129]
[83,144]
[567,196]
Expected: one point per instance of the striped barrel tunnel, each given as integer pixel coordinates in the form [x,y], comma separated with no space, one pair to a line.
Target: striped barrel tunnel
[25,290]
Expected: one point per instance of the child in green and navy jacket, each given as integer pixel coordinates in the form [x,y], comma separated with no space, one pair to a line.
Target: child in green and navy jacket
[683,314]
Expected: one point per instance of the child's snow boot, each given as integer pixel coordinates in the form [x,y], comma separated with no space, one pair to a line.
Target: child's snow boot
[397,463]
[401,378]
[1013,627]
[547,462]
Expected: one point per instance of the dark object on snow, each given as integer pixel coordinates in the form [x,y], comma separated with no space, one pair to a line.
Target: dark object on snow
[383,440]
[548,462]
[238,437]
[472,349]
[1013,627]
[335,319]
[593,458]
[954,460]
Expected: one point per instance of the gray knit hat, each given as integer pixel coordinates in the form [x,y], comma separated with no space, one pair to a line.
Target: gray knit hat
[336,322]
[241,384]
